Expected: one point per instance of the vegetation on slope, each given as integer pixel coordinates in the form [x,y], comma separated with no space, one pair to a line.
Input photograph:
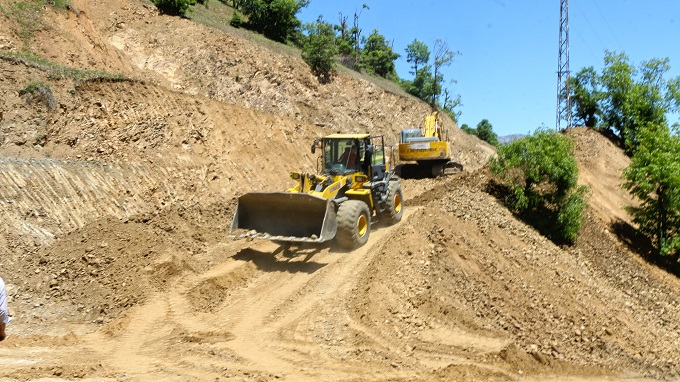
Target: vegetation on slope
[632,104]
[540,175]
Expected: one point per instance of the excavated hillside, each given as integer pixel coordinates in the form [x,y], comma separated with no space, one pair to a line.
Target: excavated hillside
[121,156]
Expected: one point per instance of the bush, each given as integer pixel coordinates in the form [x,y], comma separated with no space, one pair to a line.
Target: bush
[273,18]
[174,7]
[41,93]
[539,175]
[236,20]
[319,48]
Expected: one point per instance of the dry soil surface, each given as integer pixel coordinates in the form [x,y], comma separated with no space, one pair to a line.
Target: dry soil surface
[117,195]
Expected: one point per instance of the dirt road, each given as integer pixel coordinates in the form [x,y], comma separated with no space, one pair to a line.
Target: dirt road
[266,312]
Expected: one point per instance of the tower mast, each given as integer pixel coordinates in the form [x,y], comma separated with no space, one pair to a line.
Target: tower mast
[563,90]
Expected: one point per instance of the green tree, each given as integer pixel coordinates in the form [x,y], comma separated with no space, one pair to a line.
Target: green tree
[349,38]
[617,83]
[319,48]
[417,54]
[585,97]
[273,18]
[377,56]
[344,40]
[636,97]
[421,85]
[466,128]
[485,132]
[428,79]
[540,174]
[174,7]
[653,177]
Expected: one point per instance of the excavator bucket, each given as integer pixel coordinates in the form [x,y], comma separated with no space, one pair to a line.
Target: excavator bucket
[284,216]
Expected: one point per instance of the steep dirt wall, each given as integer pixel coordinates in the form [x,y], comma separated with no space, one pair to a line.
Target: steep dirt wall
[130,37]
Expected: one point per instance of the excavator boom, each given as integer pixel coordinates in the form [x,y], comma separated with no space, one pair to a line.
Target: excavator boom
[432,127]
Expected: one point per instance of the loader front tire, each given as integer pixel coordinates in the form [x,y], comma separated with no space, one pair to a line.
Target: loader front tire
[354,224]
[394,206]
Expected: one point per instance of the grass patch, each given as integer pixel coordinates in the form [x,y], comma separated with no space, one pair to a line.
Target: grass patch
[29,16]
[41,93]
[217,15]
[214,14]
[40,140]
[56,71]
[387,85]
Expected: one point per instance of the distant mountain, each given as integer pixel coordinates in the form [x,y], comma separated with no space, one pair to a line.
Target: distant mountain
[509,138]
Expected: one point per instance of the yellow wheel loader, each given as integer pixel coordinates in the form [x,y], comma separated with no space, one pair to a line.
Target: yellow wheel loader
[353,187]
[428,148]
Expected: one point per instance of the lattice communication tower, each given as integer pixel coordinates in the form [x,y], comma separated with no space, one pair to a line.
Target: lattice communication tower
[563,90]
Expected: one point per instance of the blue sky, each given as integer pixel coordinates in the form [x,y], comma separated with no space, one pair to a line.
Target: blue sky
[507,68]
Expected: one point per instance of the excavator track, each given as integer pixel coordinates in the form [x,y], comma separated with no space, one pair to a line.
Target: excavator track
[428,169]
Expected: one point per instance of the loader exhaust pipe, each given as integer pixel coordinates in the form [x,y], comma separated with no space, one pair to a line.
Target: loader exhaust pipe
[284,216]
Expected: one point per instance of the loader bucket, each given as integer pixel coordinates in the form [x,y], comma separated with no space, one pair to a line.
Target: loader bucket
[284,216]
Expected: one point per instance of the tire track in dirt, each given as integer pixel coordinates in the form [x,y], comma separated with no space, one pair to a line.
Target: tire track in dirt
[264,317]
[132,351]
[168,326]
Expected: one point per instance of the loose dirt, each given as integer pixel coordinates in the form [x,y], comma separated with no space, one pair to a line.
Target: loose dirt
[117,196]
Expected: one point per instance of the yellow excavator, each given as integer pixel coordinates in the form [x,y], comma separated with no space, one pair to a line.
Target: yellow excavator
[353,186]
[429,148]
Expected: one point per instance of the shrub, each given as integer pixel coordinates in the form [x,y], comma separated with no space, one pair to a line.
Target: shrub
[273,18]
[539,174]
[174,7]
[236,20]
[41,93]
[319,48]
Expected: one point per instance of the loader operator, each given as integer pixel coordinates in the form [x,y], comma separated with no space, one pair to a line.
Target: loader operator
[348,158]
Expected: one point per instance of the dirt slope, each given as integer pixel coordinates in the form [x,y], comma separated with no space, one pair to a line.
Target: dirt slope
[117,196]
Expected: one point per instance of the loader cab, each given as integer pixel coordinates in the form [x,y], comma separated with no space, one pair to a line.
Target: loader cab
[345,154]
[341,156]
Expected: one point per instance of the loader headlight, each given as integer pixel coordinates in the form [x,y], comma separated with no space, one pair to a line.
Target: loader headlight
[360,179]
[295,175]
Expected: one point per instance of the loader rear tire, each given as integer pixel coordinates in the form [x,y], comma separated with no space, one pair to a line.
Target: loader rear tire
[394,205]
[354,224]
